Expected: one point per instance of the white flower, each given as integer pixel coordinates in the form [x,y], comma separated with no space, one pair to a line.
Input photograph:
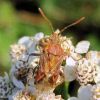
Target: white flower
[82,47]
[69,69]
[85,71]
[84,93]
[16,51]
[33,94]
[18,83]
[14,69]
[96,92]
[25,94]
[88,92]
[97,76]
[17,79]
[31,42]
[73,59]
[39,36]
[76,56]
[70,62]
[27,41]
[26,45]
[94,56]
[23,72]
[6,86]
[26,65]
[48,96]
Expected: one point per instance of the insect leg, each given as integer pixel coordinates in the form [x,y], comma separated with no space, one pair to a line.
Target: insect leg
[33,54]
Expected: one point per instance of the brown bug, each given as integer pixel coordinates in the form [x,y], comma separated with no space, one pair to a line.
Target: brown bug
[52,54]
[51,58]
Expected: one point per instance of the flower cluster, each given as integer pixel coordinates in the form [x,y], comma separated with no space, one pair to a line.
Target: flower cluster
[86,71]
[40,63]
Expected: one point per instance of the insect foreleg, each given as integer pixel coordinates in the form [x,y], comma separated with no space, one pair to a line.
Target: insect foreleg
[33,54]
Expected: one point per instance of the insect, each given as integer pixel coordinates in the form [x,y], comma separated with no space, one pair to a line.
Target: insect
[51,58]
[52,54]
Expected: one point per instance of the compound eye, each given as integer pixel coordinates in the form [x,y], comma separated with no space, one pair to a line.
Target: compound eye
[44,42]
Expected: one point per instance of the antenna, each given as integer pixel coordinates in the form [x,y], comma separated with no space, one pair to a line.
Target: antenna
[76,22]
[44,16]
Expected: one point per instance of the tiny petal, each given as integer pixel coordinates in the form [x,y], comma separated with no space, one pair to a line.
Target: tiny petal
[6,76]
[24,95]
[67,45]
[70,62]
[94,56]
[82,47]
[17,83]
[28,43]
[96,92]
[6,86]
[69,74]
[73,98]
[24,40]
[85,71]
[39,36]
[84,92]
[16,51]
[97,75]
[76,56]
[69,69]
[48,96]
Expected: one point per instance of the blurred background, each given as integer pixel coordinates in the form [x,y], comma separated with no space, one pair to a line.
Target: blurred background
[21,18]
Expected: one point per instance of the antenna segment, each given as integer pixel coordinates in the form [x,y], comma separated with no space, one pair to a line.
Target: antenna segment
[44,16]
[76,22]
